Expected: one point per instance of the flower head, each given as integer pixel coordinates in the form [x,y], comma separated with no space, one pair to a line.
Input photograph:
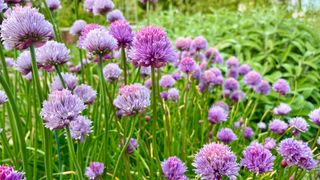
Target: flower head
[99,41]
[231,84]
[112,72]
[24,65]
[70,81]
[217,114]
[102,7]
[269,143]
[132,146]
[85,31]
[226,135]
[3,6]
[3,97]
[9,62]
[187,65]
[145,71]
[281,86]
[88,5]
[248,132]
[215,161]
[298,125]
[173,94]
[244,69]
[257,159]
[263,87]
[232,62]
[277,126]
[94,170]
[151,47]
[262,125]
[199,43]
[53,53]
[214,55]
[115,15]
[315,116]
[237,96]
[282,109]
[167,81]
[183,44]
[8,173]
[80,127]
[85,93]
[122,32]
[77,27]
[23,27]
[53,4]
[233,72]
[173,169]
[252,78]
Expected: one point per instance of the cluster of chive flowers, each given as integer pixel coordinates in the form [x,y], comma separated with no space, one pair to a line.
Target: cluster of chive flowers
[8,173]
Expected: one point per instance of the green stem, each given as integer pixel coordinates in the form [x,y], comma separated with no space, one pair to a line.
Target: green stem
[73,154]
[4,65]
[124,61]
[60,77]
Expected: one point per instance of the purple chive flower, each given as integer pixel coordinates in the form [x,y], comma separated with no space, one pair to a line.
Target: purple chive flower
[237,96]
[298,125]
[252,78]
[112,72]
[281,86]
[277,126]
[167,81]
[77,27]
[210,52]
[60,109]
[8,173]
[233,72]
[282,109]
[24,65]
[3,97]
[115,15]
[199,43]
[173,94]
[187,65]
[9,62]
[132,146]
[226,135]
[94,170]
[80,127]
[53,53]
[70,81]
[237,124]
[232,62]
[223,105]
[217,114]
[315,116]
[257,159]
[318,141]
[3,6]
[262,126]
[209,78]
[132,99]
[53,4]
[297,152]
[164,95]
[183,44]
[215,161]
[248,132]
[263,87]
[88,5]
[148,83]
[244,69]
[151,47]
[145,71]
[85,31]
[231,84]
[173,169]
[99,42]
[102,7]
[23,27]
[122,32]
[176,76]
[85,93]
[269,143]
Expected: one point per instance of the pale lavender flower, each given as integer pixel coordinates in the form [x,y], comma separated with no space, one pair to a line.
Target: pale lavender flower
[217,114]
[223,105]
[115,15]
[60,109]
[148,83]
[167,81]
[187,65]
[318,141]
[80,127]
[297,152]
[232,62]
[315,116]
[24,65]
[263,87]
[70,81]
[226,135]
[244,69]
[132,99]
[282,109]
[252,78]
[94,170]
[262,125]
[277,126]
[281,86]
[257,159]
[3,6]
[102,7]
[122,32]
[248,132]
[53,4]
[85,31]
[231,84]
[132,146]
[8,173]
[3,97]
[237,96]
[199,43]
[176,75]
[85,93]
[99,42]
[112,72]
[53,53]
[269,143]
[145,71]
[215,161]
[173,94]
[77,27]
[23,27]
[183,44]
[9,62]
[88,5]
[151,47]
[298,125]
[173,169]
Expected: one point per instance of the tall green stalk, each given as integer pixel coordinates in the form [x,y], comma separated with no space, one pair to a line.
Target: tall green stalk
[73,154]
[4,65]
[124,62]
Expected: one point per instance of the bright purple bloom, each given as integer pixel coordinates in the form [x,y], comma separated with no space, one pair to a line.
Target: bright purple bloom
[282,109]
[122,32]
[298,125]
[315,116]
[233,72]
[226,135]
[277,126]
[173,94]
[23,27]
[215,161]
[60,109]
[132,146]
[80,127]
[99,42]
[167,81]
[132,99]
[232,62]
[8,173]
[183,44]
[297,153]
[164,95]
[9,62]
[257,159]
[281,86]
[173,169]
[94,170]
[151,47]
[199,43]
[85,31]
[112,72]
[115,15]
[244,69]
[176,76]
[53,53]
[262,125]
[263,87]
[217,114]
[88,5]
[102,7]
[3,97]
[231,84]
[24,65]
[237,96]
[248,132]
[187,65]
[269,143]
[77,27]
[70,81]
[252,78]
[85,93]
[53,4]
